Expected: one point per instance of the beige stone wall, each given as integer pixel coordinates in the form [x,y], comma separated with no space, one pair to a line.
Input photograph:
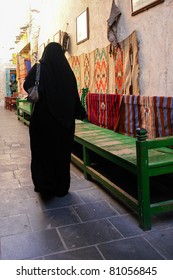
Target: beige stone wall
[154,30]
[61,15]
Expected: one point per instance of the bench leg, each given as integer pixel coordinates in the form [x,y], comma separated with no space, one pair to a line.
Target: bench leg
[143,179]
[144,202]
[87,162]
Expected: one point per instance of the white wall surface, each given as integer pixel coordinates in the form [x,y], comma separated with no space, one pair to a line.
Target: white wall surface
[154,30]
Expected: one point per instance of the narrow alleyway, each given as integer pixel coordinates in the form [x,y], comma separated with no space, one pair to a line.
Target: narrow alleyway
[86,224]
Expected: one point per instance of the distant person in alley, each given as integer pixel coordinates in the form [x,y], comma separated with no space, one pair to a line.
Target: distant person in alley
[52,123]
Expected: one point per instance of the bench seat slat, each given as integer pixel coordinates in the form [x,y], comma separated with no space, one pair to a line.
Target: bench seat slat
[144,158]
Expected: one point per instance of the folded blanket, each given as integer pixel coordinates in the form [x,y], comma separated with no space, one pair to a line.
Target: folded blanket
[163,108]
[104,109]
[136,111]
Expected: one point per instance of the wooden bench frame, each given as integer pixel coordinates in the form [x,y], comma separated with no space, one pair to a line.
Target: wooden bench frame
[24,109]
[142,162]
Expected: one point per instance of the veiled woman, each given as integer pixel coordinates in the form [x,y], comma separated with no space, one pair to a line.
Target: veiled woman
[52,123]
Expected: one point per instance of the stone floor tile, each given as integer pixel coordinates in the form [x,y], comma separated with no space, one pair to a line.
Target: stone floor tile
[18,206]
[165,220]
[13,194]
[88,233]
[24,182]
[14,224]
[31,191]
[99,194]
[4,157]
[89,253]
[76,172]
[81,184]
[78,226]
[10,183]
[29,205]
[93,211]
[22,173]
[117,205]
[4,167]
[30,245]
[53,218]
[74,176]
[162,240]
[135,248]
[94,195]
[5,176]
[56,202]
[128,225]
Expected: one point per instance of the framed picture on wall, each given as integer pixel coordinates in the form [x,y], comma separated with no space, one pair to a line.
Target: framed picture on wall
[139,6]
[82,27]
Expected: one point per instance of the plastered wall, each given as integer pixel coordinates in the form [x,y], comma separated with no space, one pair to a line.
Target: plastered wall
[154,30]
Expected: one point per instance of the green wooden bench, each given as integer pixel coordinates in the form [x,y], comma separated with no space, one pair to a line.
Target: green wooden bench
[139,156]
[24,109]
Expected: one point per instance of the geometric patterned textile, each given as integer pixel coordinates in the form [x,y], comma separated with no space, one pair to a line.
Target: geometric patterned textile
[137,111]
[84,72]
[76,67]
[101,71]
[104,109]
[119,69]
[115,73]
[124,67]
[86,66]
[131,67]
[92,100]
[163,108]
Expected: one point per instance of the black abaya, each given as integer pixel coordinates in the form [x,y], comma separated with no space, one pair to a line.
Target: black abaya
[52,123]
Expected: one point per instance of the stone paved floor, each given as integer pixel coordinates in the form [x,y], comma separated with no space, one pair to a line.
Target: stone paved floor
[86,224]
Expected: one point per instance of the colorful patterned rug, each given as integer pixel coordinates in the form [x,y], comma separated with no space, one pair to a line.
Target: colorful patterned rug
[115,73]
[101,71]
[104,109]
[126,113]
[163,108]
[137,111]
[118,58]
[76,67]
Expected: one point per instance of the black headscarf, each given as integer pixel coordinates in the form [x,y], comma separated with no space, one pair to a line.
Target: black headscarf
[59,85]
